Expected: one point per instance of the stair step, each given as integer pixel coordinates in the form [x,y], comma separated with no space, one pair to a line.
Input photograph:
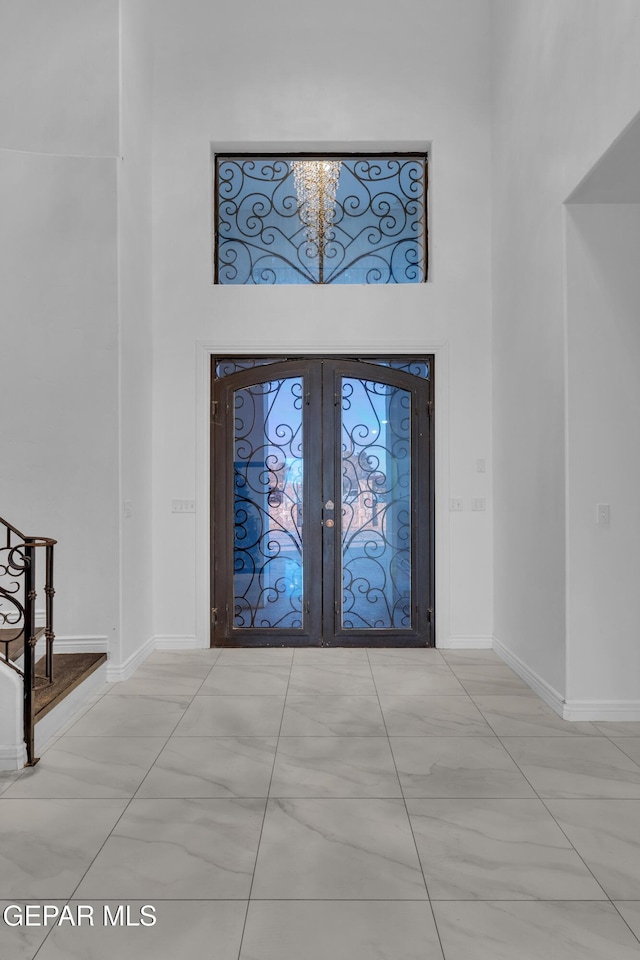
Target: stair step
[69,670]
[13,641]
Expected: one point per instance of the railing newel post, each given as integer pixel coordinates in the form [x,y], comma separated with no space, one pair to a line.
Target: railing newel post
[29,650]
[49,593]
[20,595]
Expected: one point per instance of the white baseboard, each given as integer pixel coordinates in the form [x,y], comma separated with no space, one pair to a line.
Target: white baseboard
[169,642]
[81,644]
[13,756]
[122,671]
[53,721]
[602,710]
[466,643]
[544,690]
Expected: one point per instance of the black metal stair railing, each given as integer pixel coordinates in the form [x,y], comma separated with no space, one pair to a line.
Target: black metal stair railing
[18,632]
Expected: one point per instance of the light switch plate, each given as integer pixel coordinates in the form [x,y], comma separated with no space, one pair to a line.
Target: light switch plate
[183,506]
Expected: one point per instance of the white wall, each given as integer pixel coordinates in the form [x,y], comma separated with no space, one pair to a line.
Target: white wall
[566,81]
[76,268]
[603,453]
[75,275]
[360,73]
[59,77]
[58,284]
[136,353]
[13,753]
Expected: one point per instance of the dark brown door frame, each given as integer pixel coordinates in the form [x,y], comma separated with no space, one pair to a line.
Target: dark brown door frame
[322,419]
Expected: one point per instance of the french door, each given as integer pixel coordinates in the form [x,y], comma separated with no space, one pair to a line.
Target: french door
[322,502]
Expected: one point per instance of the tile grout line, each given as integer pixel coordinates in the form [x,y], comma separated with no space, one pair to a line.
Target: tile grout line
[126,807]
[279,737]
[571,845]
[164,746]
[608,898]
[541,800]
[264,815]
[70,897]
[404,800]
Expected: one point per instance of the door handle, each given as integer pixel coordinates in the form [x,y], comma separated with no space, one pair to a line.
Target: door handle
[328,523]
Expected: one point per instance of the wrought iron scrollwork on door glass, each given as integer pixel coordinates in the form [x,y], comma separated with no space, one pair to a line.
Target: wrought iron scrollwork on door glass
[284,220]
[376,505]
[268,505]
[225,366]
[414,365]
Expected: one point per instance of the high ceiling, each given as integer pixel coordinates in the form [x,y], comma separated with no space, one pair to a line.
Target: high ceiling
[616,176]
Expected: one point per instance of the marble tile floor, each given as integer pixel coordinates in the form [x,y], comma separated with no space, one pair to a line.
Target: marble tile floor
[280,804]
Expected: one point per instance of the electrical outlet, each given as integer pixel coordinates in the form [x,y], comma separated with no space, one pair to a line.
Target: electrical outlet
[603,514]
[127,508]
[183,506]
[455,505]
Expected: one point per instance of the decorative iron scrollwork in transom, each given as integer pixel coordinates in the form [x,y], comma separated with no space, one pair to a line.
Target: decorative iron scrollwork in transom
[319,220]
